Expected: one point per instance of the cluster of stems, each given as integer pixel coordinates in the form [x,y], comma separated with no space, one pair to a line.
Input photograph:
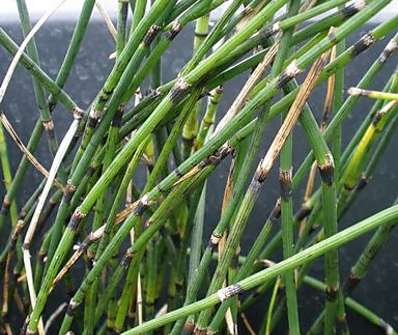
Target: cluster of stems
[118,225]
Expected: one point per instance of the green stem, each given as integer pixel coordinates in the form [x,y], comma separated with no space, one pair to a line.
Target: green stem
[285,181]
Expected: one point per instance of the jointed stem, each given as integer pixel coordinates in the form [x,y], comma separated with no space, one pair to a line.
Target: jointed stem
[144,169]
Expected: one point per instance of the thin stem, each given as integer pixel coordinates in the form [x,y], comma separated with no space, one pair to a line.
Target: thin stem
[285,181]
[372,94]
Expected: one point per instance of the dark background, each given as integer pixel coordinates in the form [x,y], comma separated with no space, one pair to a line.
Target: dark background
[379,289]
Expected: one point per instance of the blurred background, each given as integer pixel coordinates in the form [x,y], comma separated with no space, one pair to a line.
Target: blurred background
[71,8]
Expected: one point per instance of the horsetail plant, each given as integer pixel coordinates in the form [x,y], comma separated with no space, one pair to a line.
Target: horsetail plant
[143,170]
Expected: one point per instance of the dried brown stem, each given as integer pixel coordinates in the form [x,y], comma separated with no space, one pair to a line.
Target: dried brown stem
[90,239]
[250,83]
[32,159]
[292,117]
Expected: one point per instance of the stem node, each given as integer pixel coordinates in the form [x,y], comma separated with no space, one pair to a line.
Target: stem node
[285,182]
[291,71]
[364,43]
[388,50]
[228,292]
[326,170]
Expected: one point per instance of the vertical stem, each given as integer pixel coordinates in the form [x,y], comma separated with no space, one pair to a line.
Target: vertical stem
[7,176]
[138,14]
[44,110]
[190,129]
[285,180]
